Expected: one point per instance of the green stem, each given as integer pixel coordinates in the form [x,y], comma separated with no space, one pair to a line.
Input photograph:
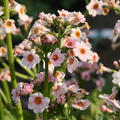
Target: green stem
[46,85]
[1,110]
[22,76]
[2,94]
[7,92]
[11,60]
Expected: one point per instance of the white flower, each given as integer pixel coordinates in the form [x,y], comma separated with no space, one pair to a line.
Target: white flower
[76,33]
[81,104]
[59,89]
[10,25]
[72,64]
[30,59]
[95,7]
[38,103]
[116,78]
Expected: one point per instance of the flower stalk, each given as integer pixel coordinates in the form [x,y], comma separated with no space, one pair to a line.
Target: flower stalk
[46,85]
[11,60]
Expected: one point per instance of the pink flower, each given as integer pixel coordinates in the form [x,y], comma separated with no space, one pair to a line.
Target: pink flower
[94,57]
[38,103]
[70,43]
[72,86]
[41,77]
[57,57]
[59,76]
[77,17]
[59,89]
[61,99]
[95,7]
[3,51]
[72,64]
[81,104]
[10,25]
[26,88]
[5,75]
[30,59]
[85,75]
[82,51]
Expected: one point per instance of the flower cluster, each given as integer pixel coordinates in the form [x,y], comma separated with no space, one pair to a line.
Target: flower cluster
[102,7]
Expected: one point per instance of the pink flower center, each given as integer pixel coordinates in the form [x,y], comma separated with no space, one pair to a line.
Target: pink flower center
[38,100]
[30,57]
[71,52]
[55,57]
[69,43]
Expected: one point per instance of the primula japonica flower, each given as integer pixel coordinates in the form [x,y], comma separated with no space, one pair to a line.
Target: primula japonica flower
[3,51]
[21,90]
[69,42]
[61,99]
[95,7]
[110,100]
[76,33]
[59,76]
[10,25]
[38,103]
[82,51]
[30,59]
[57,58]
[72,64]
[59,89]
[5,75]
[81,104]
[116,78]
[22,47]
[41,77]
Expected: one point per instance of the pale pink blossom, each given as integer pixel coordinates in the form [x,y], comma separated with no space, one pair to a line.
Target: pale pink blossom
[5,75]
[77,17]
[82,51]
[95,7]
[94,57]
[72,85]
[22,47]
[61,99]
[57,58]
[69,43]
[38,103]
[2,30]
[72,64]
[59,89]
[85,75]
[76,33]
[30,59]
[81,104]
[3,51]
[59,76]
[10,25]
[41,77]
